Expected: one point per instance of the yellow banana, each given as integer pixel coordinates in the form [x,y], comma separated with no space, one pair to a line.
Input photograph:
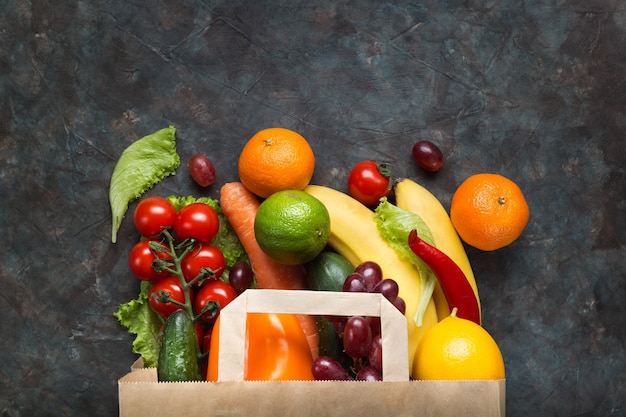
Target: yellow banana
[413,197]
[354,235]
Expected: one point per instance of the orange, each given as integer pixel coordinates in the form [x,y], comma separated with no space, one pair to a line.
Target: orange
[489,211]
[457,348]
[276,159]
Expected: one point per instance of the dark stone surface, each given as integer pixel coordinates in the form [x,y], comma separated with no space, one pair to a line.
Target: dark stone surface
[534,90]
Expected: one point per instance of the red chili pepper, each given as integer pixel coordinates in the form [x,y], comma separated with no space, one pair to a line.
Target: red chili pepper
[453,282]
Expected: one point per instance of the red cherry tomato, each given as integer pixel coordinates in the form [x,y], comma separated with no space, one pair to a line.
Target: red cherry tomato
[141,259]
[170,285]
[368,182]
[203,256]
[197,221]
[213,291]
[152,215]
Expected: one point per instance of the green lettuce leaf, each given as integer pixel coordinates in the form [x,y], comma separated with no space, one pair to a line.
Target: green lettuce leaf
[394,225]
[139,319]
[141,165]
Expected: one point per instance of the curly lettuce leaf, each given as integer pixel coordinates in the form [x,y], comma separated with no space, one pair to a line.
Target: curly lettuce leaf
[141,165]
[226,238]
[140,320]
[394,225]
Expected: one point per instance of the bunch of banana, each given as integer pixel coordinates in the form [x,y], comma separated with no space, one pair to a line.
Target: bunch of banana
[413,197]
[354,235]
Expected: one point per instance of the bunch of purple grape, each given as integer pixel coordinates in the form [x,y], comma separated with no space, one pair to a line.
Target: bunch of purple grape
[360,335]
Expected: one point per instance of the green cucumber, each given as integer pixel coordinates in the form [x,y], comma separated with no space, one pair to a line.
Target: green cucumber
[330,344]
[178,356]
[328,271]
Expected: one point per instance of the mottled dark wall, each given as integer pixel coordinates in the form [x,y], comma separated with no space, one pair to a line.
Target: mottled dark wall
[533,90]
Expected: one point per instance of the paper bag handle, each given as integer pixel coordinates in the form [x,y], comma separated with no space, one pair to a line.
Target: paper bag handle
[233,324]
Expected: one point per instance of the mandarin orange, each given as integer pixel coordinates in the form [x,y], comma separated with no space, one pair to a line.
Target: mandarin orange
[276,159]
[489,211]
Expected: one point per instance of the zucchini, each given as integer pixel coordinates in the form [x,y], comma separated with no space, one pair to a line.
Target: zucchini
[178,356]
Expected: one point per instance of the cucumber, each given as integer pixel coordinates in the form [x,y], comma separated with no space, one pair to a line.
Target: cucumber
[330,344]
[328,271]
[178,356]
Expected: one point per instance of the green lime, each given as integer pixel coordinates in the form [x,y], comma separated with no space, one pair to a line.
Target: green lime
[292,227]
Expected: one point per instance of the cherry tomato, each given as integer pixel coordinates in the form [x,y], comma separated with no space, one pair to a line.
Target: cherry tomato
[152,215]
[368,182]
[141,260]
[203,256]
[198,221]
[170,285]
[202,170]
[213,291]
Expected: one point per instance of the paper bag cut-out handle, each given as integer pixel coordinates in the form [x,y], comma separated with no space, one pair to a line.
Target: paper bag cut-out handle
[233,324]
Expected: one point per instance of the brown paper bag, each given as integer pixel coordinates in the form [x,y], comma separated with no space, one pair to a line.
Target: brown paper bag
[141,395]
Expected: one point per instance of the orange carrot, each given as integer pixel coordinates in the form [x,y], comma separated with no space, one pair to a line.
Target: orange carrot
[240,207]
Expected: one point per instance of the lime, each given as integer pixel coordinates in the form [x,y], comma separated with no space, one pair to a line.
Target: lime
[292,227]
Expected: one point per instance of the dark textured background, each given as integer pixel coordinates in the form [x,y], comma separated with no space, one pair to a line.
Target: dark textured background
[534,90]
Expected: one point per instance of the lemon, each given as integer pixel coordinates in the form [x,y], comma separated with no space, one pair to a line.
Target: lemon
[292,227]
[457,348]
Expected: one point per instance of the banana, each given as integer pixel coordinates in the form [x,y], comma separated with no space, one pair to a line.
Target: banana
[354,235]
[413,197]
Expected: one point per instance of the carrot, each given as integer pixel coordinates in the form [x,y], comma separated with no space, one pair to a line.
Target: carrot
[240,207]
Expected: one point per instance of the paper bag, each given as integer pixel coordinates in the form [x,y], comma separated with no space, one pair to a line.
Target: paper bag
[141,395]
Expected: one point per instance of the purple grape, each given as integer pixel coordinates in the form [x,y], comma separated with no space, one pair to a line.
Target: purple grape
[371,272]
[240,276]
[340,326]
[357,337]
[400,304]
[427,155]
[388,288]
[326,368]
[375,356]
[374,322]
[202,170]
[354,282]
[368,373]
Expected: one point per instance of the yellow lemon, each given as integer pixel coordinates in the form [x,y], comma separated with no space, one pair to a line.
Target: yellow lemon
[457,348]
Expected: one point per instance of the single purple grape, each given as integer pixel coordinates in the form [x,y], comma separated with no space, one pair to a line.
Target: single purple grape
[375,356]
[326,368]
[427,155]
[369,373]
[388,288]
[371,272]
[357,337]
